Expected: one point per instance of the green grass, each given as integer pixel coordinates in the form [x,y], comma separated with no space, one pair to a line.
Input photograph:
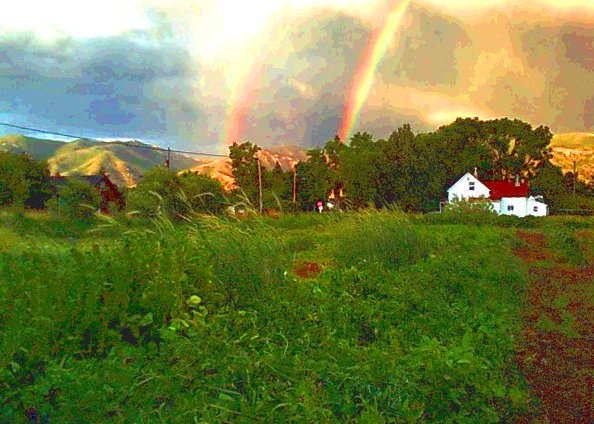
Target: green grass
[409,321]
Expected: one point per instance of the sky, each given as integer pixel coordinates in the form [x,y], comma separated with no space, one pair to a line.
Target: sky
[200,74]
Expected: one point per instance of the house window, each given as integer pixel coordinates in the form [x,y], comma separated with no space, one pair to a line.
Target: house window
[535,209]
[510,207]
[471,185]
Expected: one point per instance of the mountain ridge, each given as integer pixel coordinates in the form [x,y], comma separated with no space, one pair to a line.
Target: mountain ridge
[126,161]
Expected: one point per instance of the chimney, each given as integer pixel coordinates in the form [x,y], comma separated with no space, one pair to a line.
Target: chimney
[475,172]
[517,181]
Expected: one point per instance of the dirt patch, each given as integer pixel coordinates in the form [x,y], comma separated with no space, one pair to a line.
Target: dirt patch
[306,269]
[534,247]
[557,350]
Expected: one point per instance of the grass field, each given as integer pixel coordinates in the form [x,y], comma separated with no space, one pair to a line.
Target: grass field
[367,317]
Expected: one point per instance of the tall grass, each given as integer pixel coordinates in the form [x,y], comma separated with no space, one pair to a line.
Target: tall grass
[206,322]
[387,237]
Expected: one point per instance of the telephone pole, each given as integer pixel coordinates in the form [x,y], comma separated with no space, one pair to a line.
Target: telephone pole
[168,160]
[295,187]
[260,183]
[574,175]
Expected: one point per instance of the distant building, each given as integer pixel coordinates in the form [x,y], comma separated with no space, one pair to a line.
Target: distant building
[107,189]
[506,197]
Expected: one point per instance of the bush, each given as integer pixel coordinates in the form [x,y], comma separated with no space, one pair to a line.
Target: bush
[23,181]
[76,200]
[162,192]
[201,194]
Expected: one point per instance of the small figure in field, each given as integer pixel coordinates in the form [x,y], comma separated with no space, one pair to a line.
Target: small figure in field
[320,206]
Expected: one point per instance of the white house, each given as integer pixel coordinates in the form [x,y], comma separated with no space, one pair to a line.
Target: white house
[506,197]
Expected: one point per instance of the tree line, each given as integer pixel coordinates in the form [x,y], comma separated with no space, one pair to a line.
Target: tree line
[413,170]
[407,169]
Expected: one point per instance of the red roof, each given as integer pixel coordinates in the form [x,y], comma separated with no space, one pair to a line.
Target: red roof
[501,189]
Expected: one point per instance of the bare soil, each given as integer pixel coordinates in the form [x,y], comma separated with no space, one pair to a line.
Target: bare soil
[557,350]
[306,269]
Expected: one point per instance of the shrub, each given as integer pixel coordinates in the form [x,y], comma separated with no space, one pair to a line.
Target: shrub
[162,192]
[23,181]
[201,194]
[76,200]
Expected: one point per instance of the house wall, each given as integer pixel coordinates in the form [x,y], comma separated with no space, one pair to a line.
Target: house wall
[513,206]
[461,190]
[541,208]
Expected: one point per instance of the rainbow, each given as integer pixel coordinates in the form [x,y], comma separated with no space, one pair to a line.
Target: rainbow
[365,72]
[240,106]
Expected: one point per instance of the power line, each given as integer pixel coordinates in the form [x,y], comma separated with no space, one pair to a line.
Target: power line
[136,146]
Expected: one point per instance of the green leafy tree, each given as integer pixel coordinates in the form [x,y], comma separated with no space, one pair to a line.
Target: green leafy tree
[77,200]
[244,165]
[202,193]
[23,181]
[501,148]
[360,162]
[314,179]
[395,165]
[277,187]
[162,191]
[157,192]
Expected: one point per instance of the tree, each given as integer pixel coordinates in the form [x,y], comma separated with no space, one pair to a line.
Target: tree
[23,181]
[157,192]
[314,179]
[202,194]
[333,151]
[501,148]
[244,165]
[359,171]
[161,191]
[278,187]
[395,165]
[77,200]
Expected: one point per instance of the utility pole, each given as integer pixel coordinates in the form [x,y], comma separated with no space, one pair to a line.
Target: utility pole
[295,187]
[574,175]
[260,183]
[168,160]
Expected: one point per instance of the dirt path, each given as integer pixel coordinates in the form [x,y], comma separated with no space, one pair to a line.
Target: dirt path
[557,351]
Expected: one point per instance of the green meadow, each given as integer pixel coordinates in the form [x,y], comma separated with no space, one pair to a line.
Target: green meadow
[351,317]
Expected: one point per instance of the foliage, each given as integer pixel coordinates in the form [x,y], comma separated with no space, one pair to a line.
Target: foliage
[411,171]
[202,194]
[155,194]
[314,179]
[23,181]
[207,322]
[77,200]
[163,192]
[244,163]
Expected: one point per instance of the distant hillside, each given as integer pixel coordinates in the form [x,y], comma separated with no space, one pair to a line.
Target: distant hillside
[125,162]
[37,148]
[220,169]
[576,139]
[578,147]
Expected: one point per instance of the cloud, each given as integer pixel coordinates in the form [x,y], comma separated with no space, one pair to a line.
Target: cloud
[107,86]
[175,72]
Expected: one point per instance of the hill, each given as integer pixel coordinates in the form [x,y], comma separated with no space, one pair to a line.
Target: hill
[578,147]
[220,169]
[38,148]
[125,162]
